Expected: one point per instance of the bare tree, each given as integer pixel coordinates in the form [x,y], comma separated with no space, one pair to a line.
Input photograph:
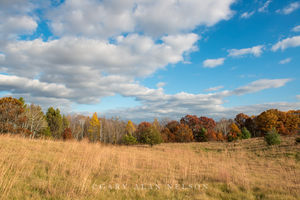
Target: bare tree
[35,119]
[223,126]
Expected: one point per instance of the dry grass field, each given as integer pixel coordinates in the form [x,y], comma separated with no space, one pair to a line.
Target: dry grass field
[248,169]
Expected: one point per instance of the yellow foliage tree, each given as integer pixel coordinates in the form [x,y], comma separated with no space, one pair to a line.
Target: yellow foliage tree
[94,128]
[130,128]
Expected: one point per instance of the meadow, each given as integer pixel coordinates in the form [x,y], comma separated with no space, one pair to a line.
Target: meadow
[246,169]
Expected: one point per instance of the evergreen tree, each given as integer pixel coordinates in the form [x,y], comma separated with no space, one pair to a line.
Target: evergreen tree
[55,122]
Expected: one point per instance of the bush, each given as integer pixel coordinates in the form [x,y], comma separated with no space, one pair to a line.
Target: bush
[297,140]
[245,133]
[272,137]
[128,139]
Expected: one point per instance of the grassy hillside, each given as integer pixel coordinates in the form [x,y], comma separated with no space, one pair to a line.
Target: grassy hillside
[43,169]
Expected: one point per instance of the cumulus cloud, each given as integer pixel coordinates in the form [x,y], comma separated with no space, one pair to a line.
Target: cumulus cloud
[102,19]
[133,55]
[214,88]
[296,28]
[212,63]
[256,51]
[247,15]
[211,104]
[285,61]
[287,43]
[289,8]
[17,19]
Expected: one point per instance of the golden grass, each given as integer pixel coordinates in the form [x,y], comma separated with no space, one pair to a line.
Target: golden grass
[45,169]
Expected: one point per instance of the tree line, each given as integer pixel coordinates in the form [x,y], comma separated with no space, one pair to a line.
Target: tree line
[17,117]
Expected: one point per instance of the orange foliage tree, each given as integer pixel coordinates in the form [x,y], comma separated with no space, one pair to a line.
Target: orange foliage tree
[11,115]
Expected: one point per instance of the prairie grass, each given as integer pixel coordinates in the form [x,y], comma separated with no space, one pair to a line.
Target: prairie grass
[248,169]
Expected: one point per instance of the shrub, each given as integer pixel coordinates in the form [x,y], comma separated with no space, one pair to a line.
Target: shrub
[297,140]
[245,133]
[232,137]
[272,137]
[128,139]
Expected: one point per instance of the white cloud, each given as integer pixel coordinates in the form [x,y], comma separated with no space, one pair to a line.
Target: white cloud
[211,63]
[285,61]
[160,84]
[211,104]
[296,28]
[298,97]
[256,51]
[35,87]
[287,43]
[214,88]
[133,55]
[247,15]
[265,6]
[290,8]
[102,19]
[259,85]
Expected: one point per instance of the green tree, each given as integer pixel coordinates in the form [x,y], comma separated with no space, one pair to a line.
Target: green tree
[128,139]
[66,122]
[245,133]
[202,135]
[151,136]
[55,122]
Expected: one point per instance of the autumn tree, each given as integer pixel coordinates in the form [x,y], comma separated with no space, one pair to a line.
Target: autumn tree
[234,133]
[292,122]
[240,120]
[267,120]
[142,127]
[168,132]
[55,122]
[130,129]
[94,128]
[194,124]
[167,135]
[67,134]
[11,115]
[209,124]
[128,138]
[157,125]
[183,133]
[36,120]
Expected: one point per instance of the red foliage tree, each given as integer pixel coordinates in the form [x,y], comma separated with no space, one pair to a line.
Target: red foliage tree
[67,134]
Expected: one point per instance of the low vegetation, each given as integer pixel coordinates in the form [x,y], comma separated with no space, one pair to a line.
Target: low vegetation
[246,169]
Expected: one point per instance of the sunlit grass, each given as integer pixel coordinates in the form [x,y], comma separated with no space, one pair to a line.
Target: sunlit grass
[44,169]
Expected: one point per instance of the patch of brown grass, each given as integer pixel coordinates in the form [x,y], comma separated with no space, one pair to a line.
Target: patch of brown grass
[44,169]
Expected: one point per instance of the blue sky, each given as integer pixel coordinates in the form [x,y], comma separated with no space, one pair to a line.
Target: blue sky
[143,59]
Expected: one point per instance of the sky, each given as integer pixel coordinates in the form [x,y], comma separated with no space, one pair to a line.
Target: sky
[145,59]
